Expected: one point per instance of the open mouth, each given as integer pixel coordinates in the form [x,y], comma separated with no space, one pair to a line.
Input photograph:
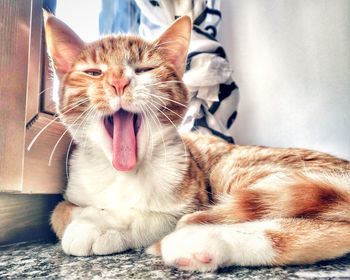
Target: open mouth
[123,127]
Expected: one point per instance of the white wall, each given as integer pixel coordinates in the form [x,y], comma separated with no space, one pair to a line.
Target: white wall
[292,63]
[84,21]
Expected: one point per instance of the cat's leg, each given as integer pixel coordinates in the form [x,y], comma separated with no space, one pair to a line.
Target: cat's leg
[318,196]
[62,216]
[77,233]
[266,242]
[88,231]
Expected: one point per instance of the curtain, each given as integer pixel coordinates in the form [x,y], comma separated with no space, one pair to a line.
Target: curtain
[119,16]
[208,76]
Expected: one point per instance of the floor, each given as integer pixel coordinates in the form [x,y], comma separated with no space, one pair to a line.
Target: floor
[47,261]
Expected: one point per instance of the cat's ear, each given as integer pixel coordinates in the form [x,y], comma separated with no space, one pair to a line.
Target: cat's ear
[174,43]
[62,43]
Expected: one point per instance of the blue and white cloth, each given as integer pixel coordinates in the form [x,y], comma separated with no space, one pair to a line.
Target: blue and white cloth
[208,76]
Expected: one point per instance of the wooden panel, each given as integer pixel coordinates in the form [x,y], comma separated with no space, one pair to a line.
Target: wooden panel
[35,61]
[26,217]
[38,176]
[14,45]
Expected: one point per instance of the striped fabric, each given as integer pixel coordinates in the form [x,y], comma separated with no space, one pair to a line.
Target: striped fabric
[214,95]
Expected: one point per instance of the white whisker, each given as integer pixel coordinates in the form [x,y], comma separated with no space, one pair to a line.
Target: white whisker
[168,99]
[160,128]
[165,107]
[149,131]
[51,122]
[71,142]
[172,124]
[64,133]
[160,83]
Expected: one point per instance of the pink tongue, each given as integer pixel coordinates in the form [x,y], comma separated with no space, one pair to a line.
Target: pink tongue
[124,141]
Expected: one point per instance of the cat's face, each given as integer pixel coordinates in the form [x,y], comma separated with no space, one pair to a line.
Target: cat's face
[121,91]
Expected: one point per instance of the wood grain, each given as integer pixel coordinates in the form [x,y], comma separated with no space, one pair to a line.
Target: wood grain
[38,176]
[14,47]
[35,61]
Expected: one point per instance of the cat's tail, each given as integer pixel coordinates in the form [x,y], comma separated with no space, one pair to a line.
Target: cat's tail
[303,195]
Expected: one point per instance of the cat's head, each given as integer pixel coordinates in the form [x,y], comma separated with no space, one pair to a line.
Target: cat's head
[121,92]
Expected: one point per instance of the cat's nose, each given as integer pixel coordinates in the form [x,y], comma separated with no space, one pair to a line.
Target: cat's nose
[120,84]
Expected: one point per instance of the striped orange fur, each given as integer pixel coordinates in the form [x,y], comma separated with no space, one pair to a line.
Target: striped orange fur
[230,204]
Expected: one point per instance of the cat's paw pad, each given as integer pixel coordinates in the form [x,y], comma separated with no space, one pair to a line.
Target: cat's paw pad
[203,258]
[194,248]
[79,237]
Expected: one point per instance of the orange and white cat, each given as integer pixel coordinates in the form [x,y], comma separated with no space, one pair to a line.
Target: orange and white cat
[197,201]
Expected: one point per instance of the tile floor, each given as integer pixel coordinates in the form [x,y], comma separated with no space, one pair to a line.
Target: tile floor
[43,260]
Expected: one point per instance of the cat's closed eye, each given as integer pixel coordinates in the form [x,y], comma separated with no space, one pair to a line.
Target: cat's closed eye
[140,70]
[93,72]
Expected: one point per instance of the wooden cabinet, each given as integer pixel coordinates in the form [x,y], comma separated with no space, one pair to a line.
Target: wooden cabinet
[26,105]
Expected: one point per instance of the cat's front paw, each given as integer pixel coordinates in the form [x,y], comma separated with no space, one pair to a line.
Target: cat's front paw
[79,237]
[194,248]
[83,238]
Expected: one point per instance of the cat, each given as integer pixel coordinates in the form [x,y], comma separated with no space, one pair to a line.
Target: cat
[195,200]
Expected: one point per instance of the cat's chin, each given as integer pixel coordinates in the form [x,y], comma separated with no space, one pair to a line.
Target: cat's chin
[122,131]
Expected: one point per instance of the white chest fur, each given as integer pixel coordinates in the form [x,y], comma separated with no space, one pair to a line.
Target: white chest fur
[94,182]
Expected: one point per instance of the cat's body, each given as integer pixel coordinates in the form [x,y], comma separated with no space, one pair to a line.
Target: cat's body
[133,178]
